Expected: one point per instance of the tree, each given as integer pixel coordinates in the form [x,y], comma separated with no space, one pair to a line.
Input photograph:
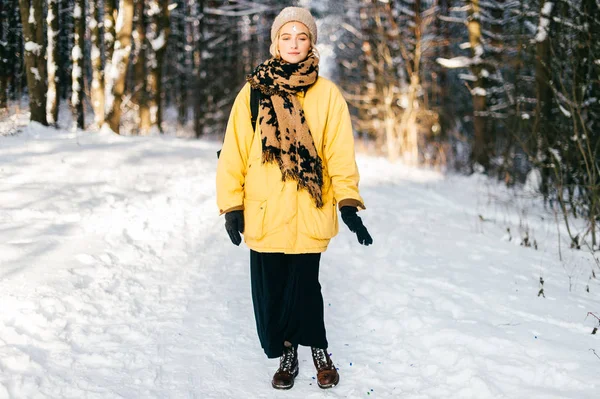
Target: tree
[478,91]
[543,111]
[390,90]
[3,57]
[65,46]
[110,17]
[77,90]
[140,94]
[415,41]
[15,49]
[197,37]
[53,98]
[115,78]
[158,35]
[182,68]
[97,89]
[35,63]
[572,140]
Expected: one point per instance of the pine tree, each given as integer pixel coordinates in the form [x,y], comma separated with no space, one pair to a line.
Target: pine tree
[33,34]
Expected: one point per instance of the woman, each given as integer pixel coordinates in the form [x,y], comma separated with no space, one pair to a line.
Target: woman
[279,183]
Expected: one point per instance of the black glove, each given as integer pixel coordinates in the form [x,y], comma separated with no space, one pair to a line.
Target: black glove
[355,224]
[234,224]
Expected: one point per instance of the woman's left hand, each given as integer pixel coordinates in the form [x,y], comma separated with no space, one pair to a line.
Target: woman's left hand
[355,224]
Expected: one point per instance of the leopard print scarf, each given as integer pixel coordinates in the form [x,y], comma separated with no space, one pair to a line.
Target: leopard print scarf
[286,138]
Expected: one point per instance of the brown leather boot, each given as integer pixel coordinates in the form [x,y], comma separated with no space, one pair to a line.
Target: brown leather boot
[288,369]
[327,375]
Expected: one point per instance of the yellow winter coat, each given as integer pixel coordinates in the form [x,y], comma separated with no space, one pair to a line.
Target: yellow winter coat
[278,217]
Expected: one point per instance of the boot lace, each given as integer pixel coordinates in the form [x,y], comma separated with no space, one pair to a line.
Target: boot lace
[320,358]
[287,360]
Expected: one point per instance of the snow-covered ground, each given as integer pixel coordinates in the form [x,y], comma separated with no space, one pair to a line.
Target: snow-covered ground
[117,280]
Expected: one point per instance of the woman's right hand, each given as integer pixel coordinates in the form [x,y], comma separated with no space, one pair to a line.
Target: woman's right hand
[234,224]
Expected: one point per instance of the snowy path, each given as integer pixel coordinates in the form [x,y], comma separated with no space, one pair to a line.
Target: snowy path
[117,280]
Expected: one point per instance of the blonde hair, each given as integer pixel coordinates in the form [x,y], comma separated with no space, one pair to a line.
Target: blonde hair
[274,49]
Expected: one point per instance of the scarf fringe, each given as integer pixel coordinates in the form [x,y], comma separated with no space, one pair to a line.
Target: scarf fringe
[287,175]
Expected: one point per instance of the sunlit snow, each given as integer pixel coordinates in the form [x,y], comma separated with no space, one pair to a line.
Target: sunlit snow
[117,280]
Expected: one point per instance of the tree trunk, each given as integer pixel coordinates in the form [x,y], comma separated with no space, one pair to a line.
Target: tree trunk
[3,57]
[182,65]
[15,67]
[77,92]
[35,63]
[140,95]
[160,33]
[543,109]
[411,146]
[97,90]
[445,102]
[498,98]
[64,42]
[442,50]
[53,99]
[518,122]
[391,130]
[587,88]
[370,91]
[115,79]
[407,127]
[480,147]
[110,17]
[199,80]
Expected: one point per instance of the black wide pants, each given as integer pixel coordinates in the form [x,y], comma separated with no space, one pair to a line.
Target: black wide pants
[288,304]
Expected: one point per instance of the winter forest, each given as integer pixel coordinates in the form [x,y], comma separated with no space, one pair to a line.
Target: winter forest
[508,88]
[477,135]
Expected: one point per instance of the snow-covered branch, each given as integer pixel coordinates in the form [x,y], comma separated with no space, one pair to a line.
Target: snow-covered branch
[543,27]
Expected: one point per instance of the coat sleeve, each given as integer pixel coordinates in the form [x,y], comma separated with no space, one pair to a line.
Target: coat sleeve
[339,152]
[232,163]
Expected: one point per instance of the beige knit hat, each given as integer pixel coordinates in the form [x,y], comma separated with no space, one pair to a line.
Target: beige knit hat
[289,14]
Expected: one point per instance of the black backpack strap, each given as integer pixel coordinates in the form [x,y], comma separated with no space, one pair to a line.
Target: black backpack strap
[254,100]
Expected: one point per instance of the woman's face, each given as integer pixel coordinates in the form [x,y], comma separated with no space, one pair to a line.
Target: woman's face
[294,42]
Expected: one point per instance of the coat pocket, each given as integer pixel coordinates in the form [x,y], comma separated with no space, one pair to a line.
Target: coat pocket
[254,219]
[320,223]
